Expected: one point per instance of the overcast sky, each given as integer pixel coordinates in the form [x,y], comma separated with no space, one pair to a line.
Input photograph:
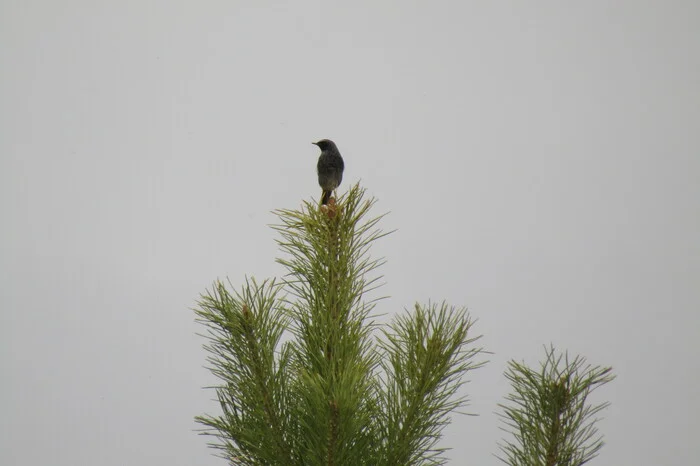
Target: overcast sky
[540,160]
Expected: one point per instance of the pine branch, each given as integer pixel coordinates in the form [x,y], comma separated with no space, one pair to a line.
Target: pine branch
[244,330]
[548,412]
[329,275]
[428,354]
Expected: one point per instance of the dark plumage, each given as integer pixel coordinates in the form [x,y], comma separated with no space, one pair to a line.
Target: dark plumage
[330,168]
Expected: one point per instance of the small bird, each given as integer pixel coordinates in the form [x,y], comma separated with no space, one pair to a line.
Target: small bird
[330,168]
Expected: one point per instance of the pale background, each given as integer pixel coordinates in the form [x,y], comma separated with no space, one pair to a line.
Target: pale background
[540,160]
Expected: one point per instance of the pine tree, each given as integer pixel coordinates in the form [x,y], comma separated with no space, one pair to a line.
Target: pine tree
[306,377]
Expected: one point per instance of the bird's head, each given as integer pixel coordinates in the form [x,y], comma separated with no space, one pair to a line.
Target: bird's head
[325,144]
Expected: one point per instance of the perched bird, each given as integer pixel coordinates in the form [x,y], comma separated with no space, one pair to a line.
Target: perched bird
[330,168]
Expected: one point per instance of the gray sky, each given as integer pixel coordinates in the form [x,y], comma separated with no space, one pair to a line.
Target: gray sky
[540,161]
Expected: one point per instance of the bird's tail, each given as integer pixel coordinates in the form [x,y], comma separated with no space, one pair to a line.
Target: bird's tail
[325,197]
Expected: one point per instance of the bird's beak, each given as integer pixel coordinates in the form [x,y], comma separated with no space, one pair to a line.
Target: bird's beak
[315,143]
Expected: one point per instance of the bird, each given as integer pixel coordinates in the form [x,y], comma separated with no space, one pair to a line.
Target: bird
[330,168]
